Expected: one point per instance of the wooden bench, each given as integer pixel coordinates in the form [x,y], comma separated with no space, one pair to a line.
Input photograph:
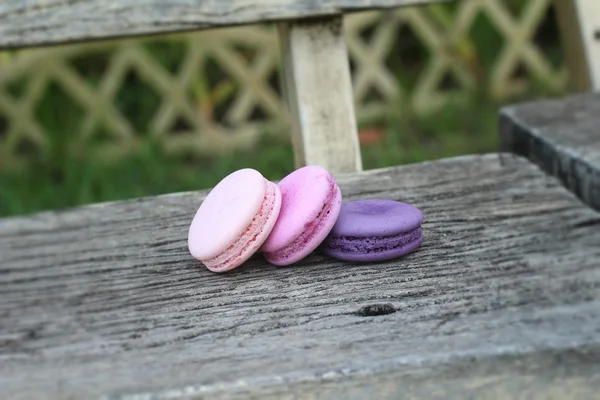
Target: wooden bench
[501,301]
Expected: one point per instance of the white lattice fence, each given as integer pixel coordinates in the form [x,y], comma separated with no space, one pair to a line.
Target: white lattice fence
[216,90]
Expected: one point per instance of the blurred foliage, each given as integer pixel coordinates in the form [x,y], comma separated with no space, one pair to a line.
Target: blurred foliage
[462,127]
[68,181]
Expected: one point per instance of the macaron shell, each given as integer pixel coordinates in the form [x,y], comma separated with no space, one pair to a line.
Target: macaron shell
[374,217]
[304,193]
[226,213]
[318,233]
[254,237]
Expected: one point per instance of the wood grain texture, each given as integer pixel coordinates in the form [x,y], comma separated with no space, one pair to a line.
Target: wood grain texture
[562,137]
[44,22]
[105,301]
[318,89]
[549,376]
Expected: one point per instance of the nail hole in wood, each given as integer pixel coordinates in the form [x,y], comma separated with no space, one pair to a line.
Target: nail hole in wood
[374,310]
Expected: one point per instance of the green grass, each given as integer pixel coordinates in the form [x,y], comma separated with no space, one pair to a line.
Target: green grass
[62,181]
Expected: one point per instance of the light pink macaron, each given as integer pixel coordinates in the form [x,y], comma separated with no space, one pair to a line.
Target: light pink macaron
[310,205]
[234,220]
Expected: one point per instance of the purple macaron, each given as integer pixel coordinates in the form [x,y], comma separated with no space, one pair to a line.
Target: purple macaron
[374,230]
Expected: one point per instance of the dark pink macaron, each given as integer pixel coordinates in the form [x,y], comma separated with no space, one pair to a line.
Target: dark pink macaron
[310,203]
[374,230]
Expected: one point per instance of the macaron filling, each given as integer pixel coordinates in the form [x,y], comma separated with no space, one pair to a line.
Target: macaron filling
[250,235]
[310,228]
[373,244]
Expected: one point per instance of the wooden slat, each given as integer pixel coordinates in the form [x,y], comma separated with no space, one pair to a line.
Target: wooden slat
[562,136]
[43,22]
[588,22]
[579,22]
[550,376]
[318,88]
[573,45]
[505,292]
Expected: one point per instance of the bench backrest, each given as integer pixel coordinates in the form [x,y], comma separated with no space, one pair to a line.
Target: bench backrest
[43,22]
[580,29]
[316,71]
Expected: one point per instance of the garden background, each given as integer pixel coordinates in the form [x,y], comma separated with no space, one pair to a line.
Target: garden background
[120,119]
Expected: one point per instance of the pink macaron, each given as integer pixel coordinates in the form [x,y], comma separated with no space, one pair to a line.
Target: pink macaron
[310,204]
[234,220]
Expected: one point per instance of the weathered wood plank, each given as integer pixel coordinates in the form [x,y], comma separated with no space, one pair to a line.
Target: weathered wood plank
[587,21]
[43,22]
[318,89]
[573,45]
[105,300]
[554,375]
[562,137]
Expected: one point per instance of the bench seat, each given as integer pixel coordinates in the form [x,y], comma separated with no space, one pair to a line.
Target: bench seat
[562,136]
[502,299]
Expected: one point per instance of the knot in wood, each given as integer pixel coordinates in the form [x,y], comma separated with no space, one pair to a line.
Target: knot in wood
[374,310]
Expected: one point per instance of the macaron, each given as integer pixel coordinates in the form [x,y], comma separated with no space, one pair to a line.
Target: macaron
[374,230]
[234,220]
[310,205]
